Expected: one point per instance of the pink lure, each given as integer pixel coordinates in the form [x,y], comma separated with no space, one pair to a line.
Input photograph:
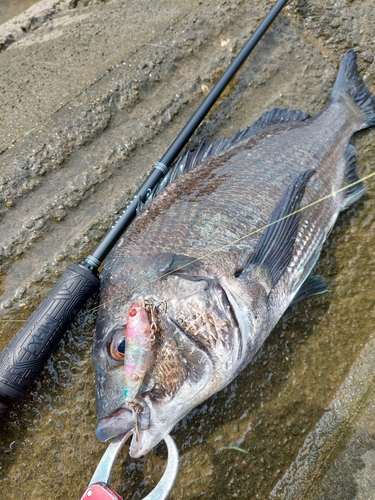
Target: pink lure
[137,351]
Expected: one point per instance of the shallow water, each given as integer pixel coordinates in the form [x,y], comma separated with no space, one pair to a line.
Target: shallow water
[48,445]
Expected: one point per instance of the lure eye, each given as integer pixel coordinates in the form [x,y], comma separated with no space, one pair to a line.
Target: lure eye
[133,312]
[117,345]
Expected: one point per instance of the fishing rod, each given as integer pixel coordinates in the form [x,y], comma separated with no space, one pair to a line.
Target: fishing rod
[25,355]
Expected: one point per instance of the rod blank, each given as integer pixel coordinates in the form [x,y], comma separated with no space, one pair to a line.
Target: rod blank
[24,357]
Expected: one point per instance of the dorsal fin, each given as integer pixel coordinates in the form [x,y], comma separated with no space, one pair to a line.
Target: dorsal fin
[191,159]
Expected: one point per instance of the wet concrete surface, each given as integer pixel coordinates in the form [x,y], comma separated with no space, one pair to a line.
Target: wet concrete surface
[11,8]
[356,462]
[90,98]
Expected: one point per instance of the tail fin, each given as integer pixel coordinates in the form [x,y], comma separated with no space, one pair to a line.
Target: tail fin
[349,81]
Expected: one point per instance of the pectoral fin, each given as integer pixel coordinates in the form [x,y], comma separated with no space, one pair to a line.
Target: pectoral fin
[275,247]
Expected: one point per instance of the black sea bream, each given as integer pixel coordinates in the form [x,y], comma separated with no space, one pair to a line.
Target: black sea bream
[198,285]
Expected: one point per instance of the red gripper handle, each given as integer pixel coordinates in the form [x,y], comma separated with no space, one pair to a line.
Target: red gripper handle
[100,491]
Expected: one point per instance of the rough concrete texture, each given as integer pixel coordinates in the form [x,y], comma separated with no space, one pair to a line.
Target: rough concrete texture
[90,98]
[355,461]
[12,8]
[337,457]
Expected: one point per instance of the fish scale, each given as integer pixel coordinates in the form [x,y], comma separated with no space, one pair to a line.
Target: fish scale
[226,248]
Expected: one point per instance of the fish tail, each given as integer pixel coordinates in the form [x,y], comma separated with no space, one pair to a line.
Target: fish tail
[349,81]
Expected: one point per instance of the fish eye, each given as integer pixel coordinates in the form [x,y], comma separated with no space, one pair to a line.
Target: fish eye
[121,346]
[116,347]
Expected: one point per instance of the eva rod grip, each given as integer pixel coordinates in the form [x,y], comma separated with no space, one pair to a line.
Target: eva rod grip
[24,357]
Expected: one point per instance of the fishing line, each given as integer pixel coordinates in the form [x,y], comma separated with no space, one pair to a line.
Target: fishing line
[223,247]
[226,245]
[12,320]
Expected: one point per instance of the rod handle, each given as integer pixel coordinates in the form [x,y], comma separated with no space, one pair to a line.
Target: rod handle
[24,357]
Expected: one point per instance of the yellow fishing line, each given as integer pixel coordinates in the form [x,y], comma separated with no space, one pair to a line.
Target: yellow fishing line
[13,320]
[255,231]
[223,247]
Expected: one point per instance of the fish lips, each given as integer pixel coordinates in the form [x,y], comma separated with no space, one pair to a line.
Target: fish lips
[119,422]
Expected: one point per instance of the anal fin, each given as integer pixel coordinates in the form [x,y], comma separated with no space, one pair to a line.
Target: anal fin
[275,247]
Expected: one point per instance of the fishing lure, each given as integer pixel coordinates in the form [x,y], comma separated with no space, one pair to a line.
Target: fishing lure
[138,349]
[138,339]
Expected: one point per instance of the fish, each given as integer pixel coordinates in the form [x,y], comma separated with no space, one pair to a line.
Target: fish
[223,246]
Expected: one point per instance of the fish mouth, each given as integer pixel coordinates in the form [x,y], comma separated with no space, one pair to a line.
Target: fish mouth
[119,422]
[125,419]
[122,421]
